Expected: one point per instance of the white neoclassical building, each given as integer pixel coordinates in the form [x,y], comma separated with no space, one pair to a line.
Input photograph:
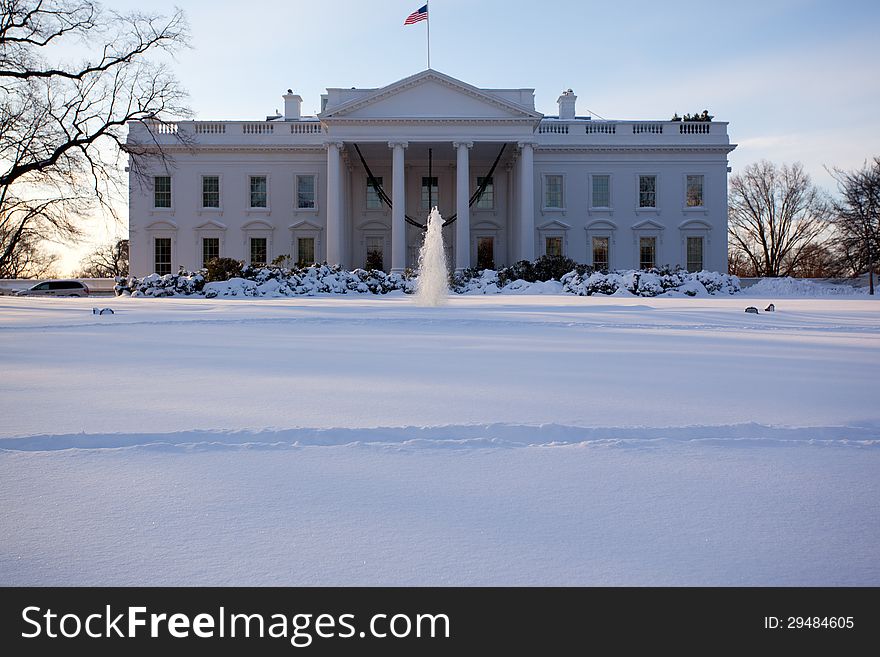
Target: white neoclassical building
[354,184]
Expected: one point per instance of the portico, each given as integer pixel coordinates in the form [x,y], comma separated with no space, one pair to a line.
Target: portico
[453,134]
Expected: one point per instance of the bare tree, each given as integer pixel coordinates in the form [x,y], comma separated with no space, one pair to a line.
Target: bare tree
[106,261]
[775,214]
[739,265]
[857,217]
[29,259]
[819,260]
[62,125]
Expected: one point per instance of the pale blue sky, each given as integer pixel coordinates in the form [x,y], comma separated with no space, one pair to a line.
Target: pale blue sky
[796,79]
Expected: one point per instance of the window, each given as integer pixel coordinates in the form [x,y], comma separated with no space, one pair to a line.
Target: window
[553,246]
[210,191]
[647,191]
[553,191]
[259,197]
[647,252]
[375,253]
[694,192]
[162,191]
[600,253]
[695,254]
[487,198]
[305,192]
[374,202]
[258,251]
[486,252]
[601,191]
[305,251]
[162,253]
[430,195]
[210,249]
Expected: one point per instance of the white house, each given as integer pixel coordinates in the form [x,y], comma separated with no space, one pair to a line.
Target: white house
[613,194]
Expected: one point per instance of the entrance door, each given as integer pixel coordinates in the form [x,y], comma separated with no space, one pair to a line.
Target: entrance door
[375,253]
[485,253]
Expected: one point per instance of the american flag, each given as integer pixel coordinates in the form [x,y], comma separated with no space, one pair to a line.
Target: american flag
[420,15]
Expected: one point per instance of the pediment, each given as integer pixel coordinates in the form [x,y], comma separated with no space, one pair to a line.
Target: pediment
[430,95]
[649,224]
[258,224]
[304,225]
[555,224]
[695,224]
[163,224]
[212,224]
[601,224]
[374,225]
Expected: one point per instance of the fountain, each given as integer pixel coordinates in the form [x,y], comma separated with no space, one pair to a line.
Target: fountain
[432,288]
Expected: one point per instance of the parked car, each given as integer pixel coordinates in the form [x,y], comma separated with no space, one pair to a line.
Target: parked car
[55,289]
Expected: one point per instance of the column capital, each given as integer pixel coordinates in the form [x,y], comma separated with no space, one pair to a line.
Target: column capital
[522,144]
[394,144]
[459,144]
[338,144]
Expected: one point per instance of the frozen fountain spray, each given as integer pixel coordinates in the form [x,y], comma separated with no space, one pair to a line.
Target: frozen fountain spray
[432,288]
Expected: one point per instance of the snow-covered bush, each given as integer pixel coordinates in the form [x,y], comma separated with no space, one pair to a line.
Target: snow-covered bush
[473,281]
[650,283]
[716,283]
[277,281]
[155,285]
[545,268]
[269,281]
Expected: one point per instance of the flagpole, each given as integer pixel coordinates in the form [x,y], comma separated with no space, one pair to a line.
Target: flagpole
[429,34]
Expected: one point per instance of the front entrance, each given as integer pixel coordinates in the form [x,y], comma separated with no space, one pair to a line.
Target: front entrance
[485,253]
[375,257]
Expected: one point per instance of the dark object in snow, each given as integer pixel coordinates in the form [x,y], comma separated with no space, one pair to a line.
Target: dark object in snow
[752,309]
[770,309]
[103,311]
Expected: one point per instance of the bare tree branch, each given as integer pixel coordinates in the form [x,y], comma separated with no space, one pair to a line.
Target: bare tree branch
[62,127]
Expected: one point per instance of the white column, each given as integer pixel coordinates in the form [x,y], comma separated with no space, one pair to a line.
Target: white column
[398,210]
[334,205]
[462,196]
[527,202]
[510,230]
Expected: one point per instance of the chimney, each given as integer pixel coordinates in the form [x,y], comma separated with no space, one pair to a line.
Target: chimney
[567,104]
[292,106]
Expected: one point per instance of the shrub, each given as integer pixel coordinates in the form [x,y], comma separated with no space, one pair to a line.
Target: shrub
[554,267]
[459,280]
[282,261]
[375,261]
[522,270]
[222,269]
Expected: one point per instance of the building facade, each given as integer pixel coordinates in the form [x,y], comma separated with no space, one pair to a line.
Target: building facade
[353,185]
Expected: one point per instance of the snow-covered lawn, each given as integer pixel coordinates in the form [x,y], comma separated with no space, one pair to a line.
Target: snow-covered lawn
[503,439]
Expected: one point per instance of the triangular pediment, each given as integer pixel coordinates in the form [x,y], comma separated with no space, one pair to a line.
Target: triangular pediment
[211,224]
[649,224]
[305,224]
[554,224]
[430,95]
